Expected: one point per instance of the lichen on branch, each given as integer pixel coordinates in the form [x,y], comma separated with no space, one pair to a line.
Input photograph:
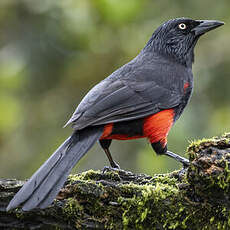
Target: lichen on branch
[192,198]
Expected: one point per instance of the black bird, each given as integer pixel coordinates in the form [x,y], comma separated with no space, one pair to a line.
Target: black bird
[141,99]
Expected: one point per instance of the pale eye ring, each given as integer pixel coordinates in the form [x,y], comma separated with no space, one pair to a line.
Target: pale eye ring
[182,26]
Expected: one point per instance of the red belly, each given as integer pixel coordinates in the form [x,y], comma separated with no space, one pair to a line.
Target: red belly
[157,126]
[154,127]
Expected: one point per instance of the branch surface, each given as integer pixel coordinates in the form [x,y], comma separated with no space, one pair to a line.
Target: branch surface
[194,198]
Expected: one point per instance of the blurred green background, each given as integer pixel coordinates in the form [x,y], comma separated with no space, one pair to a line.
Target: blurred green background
[52,52]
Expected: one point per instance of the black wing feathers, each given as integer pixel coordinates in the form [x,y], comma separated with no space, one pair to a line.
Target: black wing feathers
[131,93]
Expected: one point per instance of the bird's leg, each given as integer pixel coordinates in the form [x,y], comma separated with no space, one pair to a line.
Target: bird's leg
[111,161]
[159,149]
[177,157]
[105,145]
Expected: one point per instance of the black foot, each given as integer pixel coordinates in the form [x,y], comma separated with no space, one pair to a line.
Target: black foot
[115,165]
[109,168]
[182,160]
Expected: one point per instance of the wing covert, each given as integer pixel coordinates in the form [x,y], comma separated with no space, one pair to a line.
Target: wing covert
[129,94]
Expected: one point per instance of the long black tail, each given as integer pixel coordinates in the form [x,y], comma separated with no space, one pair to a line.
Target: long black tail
[41,189]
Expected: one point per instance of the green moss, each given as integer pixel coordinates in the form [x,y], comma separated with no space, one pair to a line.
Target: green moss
[94,176]
[72,208]
[209,171]
[73,211]
[19,214]
[159,204]
[197,199]
[88,175]
[130,197]
[139,210]
[197,145]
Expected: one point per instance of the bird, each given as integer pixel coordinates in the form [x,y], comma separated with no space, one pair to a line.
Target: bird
[141,99]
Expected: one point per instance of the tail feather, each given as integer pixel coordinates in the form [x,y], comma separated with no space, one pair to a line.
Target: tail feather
[54,190]
[41,189]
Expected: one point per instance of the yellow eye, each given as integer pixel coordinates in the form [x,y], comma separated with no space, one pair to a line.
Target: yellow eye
[182,26]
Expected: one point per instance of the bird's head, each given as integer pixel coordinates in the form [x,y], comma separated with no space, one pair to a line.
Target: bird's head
[177,38]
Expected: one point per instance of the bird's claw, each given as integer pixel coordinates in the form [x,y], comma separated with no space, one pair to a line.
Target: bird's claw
[185,163]
[178,158]
[109,168]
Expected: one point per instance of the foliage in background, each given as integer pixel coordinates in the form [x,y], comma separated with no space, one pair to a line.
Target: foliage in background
[52,52]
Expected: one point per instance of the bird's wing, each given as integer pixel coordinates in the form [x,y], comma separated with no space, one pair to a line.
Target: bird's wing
[135,95]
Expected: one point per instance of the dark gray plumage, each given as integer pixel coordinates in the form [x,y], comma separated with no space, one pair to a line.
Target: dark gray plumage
[40,190]
[151,82]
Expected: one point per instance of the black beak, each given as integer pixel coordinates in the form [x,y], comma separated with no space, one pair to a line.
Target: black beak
[205,26]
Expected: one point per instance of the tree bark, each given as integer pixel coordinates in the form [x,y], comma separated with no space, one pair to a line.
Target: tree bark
[192,198]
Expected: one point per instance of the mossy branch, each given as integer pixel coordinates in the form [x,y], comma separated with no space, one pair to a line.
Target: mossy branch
[195,198]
